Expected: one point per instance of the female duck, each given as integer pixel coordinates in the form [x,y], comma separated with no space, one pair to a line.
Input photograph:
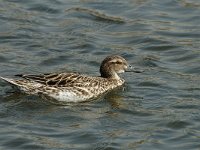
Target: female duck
[73,87]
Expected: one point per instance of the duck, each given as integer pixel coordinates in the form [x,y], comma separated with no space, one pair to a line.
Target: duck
[74,87]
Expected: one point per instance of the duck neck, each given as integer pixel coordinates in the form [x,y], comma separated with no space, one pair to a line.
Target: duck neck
[107,72]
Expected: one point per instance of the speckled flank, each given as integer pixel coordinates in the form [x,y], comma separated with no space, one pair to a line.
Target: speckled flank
[74,87]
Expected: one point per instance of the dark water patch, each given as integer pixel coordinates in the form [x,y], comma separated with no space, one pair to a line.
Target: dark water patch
[3,114]
[195,19]
[178,34]
[177,52]
[34,46]
[57,51]
[135,112]
[16,143]
[83,45]
[150,61]
[184,140]
[129,57]
[189,95]
[38,129]
[94,63]
[186,106]
[161,48]
[151,84]
[32,146]
[155,91]
[7,38]
[154,41]
[55,60]
[110,146]
[100,53]
[17,20]
[178,124]
[3,59]
[22,1]
[192,89]
[151,58]
[42,53]
[6,122]
[101,145]
[44,8]
[107,5]
[82,137]
[193,70]
[17,101]
[86,51]
[185,57]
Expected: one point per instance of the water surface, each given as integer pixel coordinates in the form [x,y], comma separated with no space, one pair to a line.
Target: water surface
[158,109]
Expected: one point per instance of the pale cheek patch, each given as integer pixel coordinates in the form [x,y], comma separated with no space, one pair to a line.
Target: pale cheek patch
[116,61]
[113,61]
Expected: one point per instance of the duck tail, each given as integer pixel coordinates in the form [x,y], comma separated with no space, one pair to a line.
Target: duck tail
[11,81]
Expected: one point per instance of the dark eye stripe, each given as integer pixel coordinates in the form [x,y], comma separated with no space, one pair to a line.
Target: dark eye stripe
[118,62]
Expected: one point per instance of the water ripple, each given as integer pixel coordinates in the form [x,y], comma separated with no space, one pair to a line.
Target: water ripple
[97,14]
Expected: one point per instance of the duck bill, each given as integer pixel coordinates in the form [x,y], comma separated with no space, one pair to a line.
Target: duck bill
[135,70]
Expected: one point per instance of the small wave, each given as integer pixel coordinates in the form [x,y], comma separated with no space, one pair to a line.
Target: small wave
[97,14]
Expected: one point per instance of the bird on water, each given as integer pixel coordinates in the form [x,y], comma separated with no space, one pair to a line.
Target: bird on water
[74,87]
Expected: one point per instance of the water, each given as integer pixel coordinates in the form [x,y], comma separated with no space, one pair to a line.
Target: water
[158,109]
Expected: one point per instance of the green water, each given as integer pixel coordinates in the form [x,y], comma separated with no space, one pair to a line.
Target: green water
[158,109]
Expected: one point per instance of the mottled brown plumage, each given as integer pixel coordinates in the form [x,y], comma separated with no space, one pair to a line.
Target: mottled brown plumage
[73,87]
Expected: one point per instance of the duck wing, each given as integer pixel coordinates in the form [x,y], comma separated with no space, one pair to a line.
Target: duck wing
[54,79]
